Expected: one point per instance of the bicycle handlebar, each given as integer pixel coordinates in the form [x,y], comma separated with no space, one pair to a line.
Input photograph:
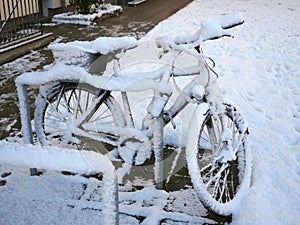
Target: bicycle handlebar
[210,30]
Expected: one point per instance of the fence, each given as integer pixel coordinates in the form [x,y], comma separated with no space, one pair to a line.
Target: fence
[19,19]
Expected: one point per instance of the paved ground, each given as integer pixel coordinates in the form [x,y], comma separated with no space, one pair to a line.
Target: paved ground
[153,10]
[134,19]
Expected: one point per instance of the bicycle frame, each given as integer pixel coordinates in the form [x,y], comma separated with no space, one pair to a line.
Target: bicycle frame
[193,92]
[216,148]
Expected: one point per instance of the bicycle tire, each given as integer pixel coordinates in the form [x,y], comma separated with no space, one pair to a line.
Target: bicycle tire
[219,184]
[55,105]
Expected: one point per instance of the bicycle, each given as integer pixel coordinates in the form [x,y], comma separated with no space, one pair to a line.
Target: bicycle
[79,104]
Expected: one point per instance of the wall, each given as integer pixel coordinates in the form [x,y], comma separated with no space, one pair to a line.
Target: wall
[52,4]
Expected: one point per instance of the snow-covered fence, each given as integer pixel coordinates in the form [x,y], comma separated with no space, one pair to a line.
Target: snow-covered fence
[52,158]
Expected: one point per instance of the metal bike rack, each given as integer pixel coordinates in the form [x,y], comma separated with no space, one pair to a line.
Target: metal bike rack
[25,113]
[110,211]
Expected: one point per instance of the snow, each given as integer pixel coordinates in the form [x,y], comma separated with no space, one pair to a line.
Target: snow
[102,45]
[259,71]
[84,162]
[71,18]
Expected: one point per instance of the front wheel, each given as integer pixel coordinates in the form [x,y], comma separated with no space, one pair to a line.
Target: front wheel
[218,158]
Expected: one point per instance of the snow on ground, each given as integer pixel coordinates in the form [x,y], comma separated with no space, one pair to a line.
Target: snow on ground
[102,11]
[259,71]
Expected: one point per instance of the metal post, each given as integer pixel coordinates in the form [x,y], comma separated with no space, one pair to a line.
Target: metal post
[110,212]
[40,15]
[63,5]
[158,125]
[25,119]
[25,114]
[99,162]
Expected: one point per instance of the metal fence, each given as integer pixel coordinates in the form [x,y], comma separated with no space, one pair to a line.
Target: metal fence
[19,19]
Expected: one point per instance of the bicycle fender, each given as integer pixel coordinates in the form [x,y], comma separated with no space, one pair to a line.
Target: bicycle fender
[196,122]
[200,111]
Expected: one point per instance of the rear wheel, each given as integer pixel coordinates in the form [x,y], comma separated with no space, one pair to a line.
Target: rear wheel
[219,160]
[58,111]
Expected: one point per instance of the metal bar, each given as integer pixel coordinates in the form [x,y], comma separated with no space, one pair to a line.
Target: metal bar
[4,16]
[88,162]
[15,28]
[128,114]
[63,6]
[7,19]
[27,11]
[32,18]
[19,19]
[38,17]
[25,114]
[26,15]
[40,9]
[29,17]
[22,17]
[19,16]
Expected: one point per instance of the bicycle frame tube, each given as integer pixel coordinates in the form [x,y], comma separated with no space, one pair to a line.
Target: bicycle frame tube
[182,100]
[127,110]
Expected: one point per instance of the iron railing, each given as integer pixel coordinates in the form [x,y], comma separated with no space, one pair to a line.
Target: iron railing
[19,19]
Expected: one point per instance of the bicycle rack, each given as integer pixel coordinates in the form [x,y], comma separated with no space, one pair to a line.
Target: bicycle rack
[29,80]
[25,113]
[110,212]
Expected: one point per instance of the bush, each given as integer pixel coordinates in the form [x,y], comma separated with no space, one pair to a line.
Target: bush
[84,6]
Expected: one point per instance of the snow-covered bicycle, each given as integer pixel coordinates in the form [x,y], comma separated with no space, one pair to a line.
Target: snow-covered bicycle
[77,102]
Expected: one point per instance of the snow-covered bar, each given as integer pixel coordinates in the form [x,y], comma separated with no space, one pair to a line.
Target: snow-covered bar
[84,162]
[57,159]
[25,113]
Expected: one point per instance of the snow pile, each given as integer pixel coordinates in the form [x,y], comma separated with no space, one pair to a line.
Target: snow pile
[71,18]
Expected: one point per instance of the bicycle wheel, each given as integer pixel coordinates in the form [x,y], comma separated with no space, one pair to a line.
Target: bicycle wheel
[218,159]
[58,107]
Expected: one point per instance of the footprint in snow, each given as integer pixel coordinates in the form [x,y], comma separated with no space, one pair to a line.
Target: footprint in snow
[269,116]
[297,128]
[2,182]
[258,109]
[296,102]
[5,174]
[250,96]
[291,140]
